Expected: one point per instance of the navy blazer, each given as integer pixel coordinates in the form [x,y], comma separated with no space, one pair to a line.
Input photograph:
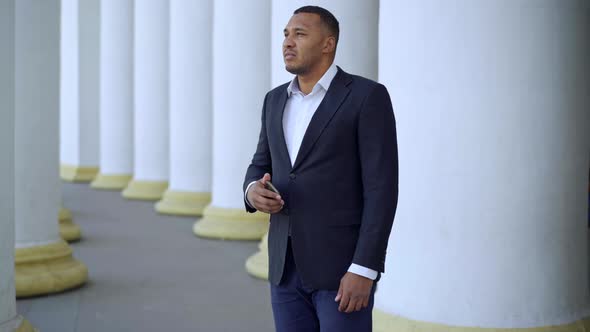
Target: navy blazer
[341,193]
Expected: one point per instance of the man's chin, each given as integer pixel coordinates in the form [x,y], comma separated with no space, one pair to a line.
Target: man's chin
[293,70]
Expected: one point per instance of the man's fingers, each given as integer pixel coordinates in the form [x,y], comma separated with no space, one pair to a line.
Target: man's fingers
[366,302]
[359,305]
[339,295]
[344,301]
[351,305]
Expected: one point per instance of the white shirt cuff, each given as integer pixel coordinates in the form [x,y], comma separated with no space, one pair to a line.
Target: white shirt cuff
[363,271]
[246,194]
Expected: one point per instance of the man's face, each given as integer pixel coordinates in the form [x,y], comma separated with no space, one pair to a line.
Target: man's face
[305,42]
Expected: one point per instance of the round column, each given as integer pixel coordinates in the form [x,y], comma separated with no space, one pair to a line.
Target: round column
[79,90]
[493,129]
[190,108]
[44,262]
[150,138]
[239,85]
[9,320]
[116,95]
[358,30]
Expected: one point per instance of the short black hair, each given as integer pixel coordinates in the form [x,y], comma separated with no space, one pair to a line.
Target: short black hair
[326,17]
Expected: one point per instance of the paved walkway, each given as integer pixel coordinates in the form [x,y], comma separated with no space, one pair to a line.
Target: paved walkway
[150,273]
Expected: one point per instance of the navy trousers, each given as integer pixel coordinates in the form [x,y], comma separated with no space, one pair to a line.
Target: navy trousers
[297,308]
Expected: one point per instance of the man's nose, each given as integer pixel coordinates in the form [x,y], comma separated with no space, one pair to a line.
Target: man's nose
[288,42]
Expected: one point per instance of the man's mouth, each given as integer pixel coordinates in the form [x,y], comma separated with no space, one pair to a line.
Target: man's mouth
[289,55]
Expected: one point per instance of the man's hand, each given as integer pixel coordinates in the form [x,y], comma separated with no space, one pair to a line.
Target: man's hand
[263,199]
[354,292]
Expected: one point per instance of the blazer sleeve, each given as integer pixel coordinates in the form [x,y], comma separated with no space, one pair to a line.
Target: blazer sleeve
[377,144]
[261,161]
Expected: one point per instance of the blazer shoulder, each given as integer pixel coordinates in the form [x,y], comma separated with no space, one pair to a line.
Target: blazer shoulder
[364,82]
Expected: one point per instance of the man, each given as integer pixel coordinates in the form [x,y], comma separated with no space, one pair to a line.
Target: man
[328,145]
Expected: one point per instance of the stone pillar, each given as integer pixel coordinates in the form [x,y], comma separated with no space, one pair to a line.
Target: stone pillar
[150,141]
[116,95]
[240,81]
[44,262]
[9,320]
[190,108]
[492,102]
[79,90]
[358,30]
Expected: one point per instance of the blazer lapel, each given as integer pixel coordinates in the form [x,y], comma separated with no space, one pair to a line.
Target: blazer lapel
[335,95]
[277,122]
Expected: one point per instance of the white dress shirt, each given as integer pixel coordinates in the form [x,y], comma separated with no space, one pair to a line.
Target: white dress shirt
[299,110]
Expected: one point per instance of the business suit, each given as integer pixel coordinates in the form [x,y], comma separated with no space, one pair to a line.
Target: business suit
[341,193]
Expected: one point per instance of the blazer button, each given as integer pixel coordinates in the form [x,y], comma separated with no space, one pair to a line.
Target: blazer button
[292,176]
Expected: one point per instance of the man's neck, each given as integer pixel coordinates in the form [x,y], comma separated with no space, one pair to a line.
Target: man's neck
[307,81]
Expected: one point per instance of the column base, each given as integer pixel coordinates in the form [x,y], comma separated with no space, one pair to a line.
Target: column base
[257,264]
[73,173]
[111,181]
[231,224]
[25,326]
[67,229]
[64,214]
[145,190]
[183,203]
[47,269]
[17,324]
[383,322]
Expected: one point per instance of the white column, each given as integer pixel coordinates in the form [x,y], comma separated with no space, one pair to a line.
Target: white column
[190,108]
[9,320]
[116,95]
[492,102]
[150,175]
[79,90]
[357,48]
[44,262]
[358,30]
[241,78]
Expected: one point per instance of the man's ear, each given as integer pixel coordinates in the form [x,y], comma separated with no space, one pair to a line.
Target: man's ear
[330,45]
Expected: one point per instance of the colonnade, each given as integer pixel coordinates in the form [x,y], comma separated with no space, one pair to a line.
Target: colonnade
[491,102]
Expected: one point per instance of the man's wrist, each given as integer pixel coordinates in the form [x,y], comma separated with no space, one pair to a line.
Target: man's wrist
[246,194]
[363,271]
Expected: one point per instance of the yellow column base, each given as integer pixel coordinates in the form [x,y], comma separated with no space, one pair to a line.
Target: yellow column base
[183,203]
[25,326]
[47,269]
[145,190]
[383,322]
[64,214]
[111,181]
[231,224]
[257,264]
[77,173]
[67,229]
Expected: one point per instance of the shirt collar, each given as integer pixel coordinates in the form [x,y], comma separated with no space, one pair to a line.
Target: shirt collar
[323,83]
